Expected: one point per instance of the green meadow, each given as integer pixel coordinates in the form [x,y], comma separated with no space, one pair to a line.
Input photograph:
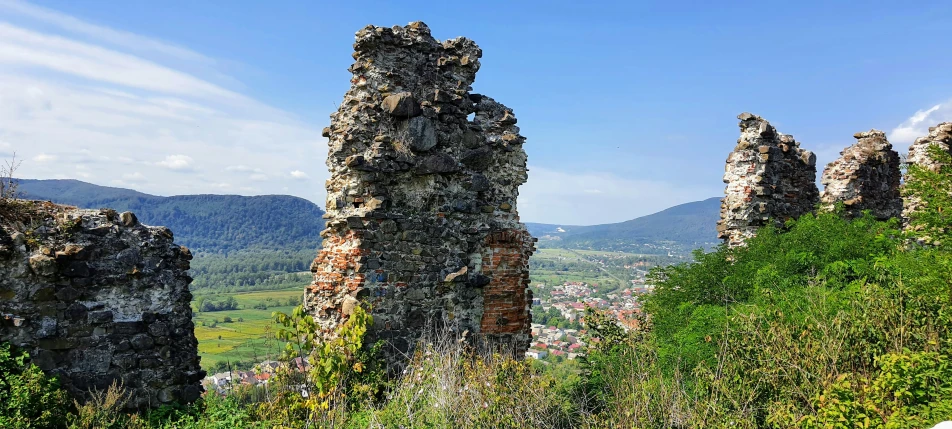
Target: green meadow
[249,337]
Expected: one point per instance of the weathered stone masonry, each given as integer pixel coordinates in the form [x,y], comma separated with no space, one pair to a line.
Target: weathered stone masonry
[96,297]
[768,177]
[865,177]
[421,203]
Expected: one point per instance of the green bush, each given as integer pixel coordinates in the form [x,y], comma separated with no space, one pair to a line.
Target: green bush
[28,398]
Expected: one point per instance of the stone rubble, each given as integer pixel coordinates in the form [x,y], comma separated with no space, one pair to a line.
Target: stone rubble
[865,177]
[421,203]
[95,297]
[768,176]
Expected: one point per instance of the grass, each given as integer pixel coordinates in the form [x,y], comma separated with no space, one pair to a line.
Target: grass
[251,339]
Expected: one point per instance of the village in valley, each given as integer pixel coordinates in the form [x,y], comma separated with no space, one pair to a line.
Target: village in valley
[567,281]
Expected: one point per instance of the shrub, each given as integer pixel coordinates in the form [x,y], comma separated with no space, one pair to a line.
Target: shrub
[28,398]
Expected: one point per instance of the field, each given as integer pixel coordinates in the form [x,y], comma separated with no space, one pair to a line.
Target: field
[556,266]
[250,335]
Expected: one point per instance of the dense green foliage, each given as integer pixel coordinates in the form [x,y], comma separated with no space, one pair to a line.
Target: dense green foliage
[931,222]
[28,398]
[686,226]
[250,270]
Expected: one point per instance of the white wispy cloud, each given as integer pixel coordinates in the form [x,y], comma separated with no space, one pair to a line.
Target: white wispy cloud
[177,162]
[44,157]
[583,198]
[138,111]
[918,124]
[300,175]
[105,34]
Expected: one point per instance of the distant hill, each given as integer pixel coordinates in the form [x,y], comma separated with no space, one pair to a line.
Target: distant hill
[682,227]
[209,223]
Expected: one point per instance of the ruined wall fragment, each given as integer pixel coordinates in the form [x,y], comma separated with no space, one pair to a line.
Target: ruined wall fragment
[95,298]
[939,135]
[768,176]
[421,202]
[865,177]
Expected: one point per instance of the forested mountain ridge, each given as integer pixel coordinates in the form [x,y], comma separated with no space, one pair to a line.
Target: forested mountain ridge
[207,223]
[686,226]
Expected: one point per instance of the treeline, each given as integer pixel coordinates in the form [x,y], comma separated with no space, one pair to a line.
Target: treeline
[204,304]
[251,270]
[205,223]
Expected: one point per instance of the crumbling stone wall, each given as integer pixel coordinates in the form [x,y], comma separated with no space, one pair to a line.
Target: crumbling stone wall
[421,203]
[96,297]
[768,176]
[939,135]
[865,177]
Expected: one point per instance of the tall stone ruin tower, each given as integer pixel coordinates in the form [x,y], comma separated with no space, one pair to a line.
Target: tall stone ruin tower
[421,204]
[865,177]
[768,176]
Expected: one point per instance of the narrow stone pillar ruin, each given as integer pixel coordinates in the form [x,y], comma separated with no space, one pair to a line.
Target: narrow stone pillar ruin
[96,297]
[865,177]
[939,135]
[768,176]
[421,203]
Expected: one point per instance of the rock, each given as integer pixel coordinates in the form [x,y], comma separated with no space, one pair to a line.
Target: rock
[42,265]
[421,134]
[401,105]
[453,276]
[129,219]
[479,183]
[477,159]
[347,307]
[438,163]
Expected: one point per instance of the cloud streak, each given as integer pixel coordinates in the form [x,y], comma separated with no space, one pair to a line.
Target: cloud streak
[918,124]
[112,107]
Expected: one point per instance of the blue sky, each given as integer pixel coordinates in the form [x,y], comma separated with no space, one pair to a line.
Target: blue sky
[628,107]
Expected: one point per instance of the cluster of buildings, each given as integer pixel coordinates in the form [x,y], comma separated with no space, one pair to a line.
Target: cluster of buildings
[263,372]
[550,340]
[571,299]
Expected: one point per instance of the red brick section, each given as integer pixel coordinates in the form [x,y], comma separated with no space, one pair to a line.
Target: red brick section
[507,297]
[337,267]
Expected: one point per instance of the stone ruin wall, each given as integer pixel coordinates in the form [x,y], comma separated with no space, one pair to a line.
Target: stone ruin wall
[95,298]
[939,135]
[421,204]
[866,176]
[768,177]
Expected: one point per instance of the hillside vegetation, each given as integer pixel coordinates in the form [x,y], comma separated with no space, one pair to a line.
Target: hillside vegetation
[210,223]
[827,322]
[683,227]
[240,243]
